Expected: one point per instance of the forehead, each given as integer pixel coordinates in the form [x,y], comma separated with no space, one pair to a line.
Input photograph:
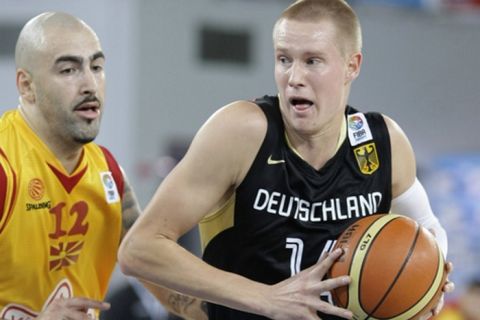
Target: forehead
[294,34]
[69,41]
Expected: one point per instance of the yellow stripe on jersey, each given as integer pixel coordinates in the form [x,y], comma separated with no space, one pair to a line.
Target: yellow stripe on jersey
[217,221]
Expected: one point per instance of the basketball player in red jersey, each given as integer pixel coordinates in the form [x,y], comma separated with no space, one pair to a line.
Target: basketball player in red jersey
[274,181]
[64,201]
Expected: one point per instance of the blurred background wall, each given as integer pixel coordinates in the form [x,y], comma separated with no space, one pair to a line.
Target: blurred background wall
[420,67]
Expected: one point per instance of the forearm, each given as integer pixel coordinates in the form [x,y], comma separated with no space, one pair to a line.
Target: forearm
[179,304]
[165,263]
[414,204]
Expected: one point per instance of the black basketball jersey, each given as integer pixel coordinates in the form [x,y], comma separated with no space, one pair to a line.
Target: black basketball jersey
[285,213]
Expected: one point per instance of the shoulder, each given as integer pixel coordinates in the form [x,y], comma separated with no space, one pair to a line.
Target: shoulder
[403,158]
[7,118]
[238,124]
[7,127]
[240,115]
[106,152]
[394,129]
[101,152]
[230,139]
[399,141]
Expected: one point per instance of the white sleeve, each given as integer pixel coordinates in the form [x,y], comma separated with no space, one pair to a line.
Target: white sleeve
[414,204]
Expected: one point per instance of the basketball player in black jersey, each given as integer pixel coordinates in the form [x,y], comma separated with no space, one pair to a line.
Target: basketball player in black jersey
[273,182]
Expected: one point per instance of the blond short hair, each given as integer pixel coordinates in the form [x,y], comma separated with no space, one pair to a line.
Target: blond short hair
[338,12]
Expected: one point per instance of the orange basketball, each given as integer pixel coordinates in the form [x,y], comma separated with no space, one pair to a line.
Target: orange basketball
[396,266]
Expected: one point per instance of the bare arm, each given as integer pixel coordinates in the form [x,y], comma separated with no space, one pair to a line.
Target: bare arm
[404,166]
[179,304]
[409,196]
[217,161]
[176,303]
[194,187]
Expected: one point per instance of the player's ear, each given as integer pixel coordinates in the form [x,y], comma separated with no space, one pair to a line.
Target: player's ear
[353,66]
[25,86]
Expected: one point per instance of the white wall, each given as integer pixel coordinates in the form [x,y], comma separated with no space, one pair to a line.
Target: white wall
[422,69]
[419,68]
[177,93]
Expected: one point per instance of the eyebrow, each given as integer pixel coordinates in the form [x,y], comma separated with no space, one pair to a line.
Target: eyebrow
[97,55]
[78,59]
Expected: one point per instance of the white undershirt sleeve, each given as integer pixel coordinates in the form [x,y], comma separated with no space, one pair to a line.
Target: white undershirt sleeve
[414,204]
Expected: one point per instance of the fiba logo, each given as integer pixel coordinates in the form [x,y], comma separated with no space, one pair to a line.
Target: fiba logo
[110,187]
[108,181]
[358,129]
[355,123]
[36,189]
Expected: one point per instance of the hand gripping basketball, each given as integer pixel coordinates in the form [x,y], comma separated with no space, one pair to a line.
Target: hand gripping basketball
[298,297]
[397,269]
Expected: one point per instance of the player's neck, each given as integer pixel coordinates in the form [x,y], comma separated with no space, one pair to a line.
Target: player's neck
[68,154]
[318,149]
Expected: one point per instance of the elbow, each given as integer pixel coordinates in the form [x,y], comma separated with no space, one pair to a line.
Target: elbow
[127,259]
[138,255]
[145,256]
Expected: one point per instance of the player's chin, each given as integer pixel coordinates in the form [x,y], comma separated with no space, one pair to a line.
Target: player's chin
[86,134]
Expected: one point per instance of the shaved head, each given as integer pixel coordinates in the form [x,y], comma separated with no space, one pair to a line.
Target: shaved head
[39,31]
[60,78]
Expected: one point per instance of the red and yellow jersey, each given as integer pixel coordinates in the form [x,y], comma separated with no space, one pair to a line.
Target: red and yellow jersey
[59,232]
[450,311]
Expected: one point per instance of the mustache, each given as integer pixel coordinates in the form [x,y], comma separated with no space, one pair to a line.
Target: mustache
[87,100]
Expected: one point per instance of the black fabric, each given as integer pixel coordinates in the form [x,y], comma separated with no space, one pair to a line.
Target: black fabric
[289,206]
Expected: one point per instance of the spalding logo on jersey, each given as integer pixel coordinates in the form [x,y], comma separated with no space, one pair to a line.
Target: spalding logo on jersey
[36,189]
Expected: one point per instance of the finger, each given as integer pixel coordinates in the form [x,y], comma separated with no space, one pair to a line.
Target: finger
[426,316]
[449,267]
[76,315]
[327,260]
[449,286]
[330,284]
[438,307]
[330,309]
[85,304]
[435,311]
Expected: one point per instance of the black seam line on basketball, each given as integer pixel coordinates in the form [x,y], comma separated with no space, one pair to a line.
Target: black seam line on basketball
[439,260]
[353,257]
[351,262]
[407,258]
[363,263]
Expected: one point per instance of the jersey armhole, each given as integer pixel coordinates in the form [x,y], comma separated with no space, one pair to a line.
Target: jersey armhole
[8,190]
[115,169]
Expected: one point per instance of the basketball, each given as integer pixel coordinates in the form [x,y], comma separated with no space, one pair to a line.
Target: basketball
[396,266]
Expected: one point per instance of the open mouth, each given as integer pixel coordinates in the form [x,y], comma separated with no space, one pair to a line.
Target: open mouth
[300,103]
[89,110]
